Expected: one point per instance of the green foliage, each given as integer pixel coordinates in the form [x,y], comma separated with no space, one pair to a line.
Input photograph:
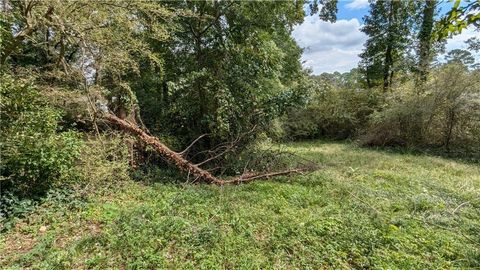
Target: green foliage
[84,43]
[443,112]
[230,66]
[104,159]
[335,109]
[461,57]
[384,210]
[425,51]
[35,155]
[388,26]
[458,18]
[446,114]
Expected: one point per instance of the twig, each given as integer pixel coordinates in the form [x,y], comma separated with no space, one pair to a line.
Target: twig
[243,179]
[191,144]
[459,206]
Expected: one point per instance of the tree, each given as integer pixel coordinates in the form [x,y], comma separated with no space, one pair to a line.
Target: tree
[231,65]
[84,43]
[425,39]
[460,56]
[388,29]
[473,44]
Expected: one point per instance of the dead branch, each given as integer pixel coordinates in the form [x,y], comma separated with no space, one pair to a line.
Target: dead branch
[191,144]
[171,156]
[250,177]
[223,148]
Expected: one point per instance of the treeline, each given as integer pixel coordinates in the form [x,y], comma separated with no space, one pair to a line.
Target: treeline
[442,114]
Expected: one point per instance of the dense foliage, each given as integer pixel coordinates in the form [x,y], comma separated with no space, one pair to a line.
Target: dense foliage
[224,68]
[35,152]
[445,114]
[336,108]
[442,113]
[229,66]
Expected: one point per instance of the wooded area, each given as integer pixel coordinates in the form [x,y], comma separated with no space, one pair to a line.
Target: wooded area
[95,92]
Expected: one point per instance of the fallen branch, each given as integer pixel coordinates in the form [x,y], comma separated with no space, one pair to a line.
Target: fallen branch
[184,152]
[251,177]
[186,166]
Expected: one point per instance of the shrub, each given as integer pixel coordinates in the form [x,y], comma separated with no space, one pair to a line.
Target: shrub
[35,154]
[104,158]
[331,112]
[453,98]
[444,113]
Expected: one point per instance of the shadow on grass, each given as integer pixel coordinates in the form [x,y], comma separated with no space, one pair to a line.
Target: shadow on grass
[461,156]
[154,174]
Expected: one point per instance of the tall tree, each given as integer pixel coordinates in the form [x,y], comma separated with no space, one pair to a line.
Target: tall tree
[231,66]
[459,56]
[84,43]
[387,26]
[425,39]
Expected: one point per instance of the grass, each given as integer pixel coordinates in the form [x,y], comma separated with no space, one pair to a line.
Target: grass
[364,209]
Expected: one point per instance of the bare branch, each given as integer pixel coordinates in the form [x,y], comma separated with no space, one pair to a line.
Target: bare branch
[250,177]
[191,144]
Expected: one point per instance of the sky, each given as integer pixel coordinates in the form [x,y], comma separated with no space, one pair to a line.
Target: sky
[330,47]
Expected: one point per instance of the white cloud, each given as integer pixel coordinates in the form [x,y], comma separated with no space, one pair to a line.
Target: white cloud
[328,46]
[458,41]
[357,4]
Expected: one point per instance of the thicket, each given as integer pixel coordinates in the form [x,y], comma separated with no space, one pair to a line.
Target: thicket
[36,152]
[331,110]
[442,113]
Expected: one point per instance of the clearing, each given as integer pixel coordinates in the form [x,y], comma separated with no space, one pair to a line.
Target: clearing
[364,209]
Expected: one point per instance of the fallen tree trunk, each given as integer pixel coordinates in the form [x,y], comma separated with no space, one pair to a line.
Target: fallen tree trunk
[171,156]
[177,160]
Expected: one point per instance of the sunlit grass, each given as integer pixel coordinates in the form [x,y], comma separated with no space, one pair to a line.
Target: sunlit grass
[363,209]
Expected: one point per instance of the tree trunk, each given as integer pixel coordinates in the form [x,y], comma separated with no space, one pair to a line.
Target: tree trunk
[387,65]
[450,125]
[171,156]
[425,37]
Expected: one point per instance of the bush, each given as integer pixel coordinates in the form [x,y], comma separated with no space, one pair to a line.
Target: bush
[399,123]
[35,154]
[331,112]
[444,113]
[104,158]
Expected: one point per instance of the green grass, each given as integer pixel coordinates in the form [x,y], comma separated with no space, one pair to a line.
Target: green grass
[364,209]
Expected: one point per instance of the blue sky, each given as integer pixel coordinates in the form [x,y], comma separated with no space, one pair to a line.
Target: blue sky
[335,47]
